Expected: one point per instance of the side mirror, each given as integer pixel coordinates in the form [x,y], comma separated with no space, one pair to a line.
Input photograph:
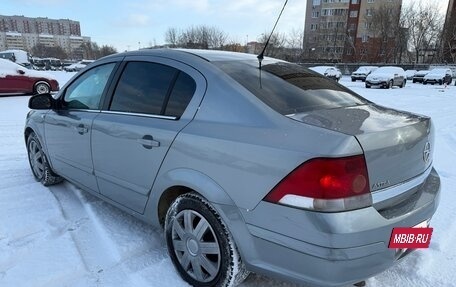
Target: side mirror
[20,71]
[42,102]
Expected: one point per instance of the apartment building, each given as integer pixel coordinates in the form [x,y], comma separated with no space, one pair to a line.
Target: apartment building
[20,32]
[352,30]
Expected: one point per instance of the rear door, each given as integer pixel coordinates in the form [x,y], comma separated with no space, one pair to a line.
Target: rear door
[153,100]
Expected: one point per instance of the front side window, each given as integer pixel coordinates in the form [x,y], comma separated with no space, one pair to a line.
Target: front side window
[86,91]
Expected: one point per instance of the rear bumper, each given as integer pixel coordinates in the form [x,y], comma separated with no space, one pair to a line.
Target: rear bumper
[328,249]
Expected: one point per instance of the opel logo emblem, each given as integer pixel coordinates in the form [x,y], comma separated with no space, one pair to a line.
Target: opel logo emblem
[427,152]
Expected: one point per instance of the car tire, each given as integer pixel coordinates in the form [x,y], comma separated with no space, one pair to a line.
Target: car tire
[403,84]
[42,88]
[190,222]
[440,82]
[424,83]
[390,84]
[363,80]
[414,81]
[39,163]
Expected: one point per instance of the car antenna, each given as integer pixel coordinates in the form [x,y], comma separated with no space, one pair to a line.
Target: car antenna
[261,55]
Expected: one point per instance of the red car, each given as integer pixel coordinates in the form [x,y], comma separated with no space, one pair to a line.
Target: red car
[16,79]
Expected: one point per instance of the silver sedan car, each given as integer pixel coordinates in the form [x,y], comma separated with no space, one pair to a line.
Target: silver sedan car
[272,169]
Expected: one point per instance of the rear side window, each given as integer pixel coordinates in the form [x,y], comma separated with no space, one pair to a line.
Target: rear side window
[143,88]
[151,88]
[289,88]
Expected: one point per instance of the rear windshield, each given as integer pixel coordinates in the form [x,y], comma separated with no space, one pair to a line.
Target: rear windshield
[289,88]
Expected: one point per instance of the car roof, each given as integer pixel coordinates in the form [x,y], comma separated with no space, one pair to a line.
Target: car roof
[207,55]
[439,70]
[389,68]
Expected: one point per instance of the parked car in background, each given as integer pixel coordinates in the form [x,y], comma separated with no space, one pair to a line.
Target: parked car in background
[37,64]
[387,77]
[419,76]
[76,67]
[410,74]
[362,72]
[52,64]
[178,137]
[438,76]
[328,71]
[16,79]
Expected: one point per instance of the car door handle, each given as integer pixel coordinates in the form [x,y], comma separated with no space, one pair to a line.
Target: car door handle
[148,142]
[81,129]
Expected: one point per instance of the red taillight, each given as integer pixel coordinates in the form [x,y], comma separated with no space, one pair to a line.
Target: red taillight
[323,179]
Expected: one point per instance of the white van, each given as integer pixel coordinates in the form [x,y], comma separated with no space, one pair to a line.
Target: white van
[18,56]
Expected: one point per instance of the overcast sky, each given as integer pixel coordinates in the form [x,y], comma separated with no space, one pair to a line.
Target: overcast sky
[130,24]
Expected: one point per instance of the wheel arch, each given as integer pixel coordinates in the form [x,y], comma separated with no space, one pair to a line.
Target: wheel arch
[176,182]
[27,132]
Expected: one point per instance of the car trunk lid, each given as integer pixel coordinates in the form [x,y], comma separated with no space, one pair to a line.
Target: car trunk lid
[397,145]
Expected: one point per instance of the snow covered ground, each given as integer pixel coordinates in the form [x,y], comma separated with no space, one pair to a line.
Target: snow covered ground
[62,236]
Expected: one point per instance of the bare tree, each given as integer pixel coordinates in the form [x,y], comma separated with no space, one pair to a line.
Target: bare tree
[172,37]
[106,50]
[449,40]
[233,46]
[295,41]
[383,25]
[424,23]
[42,51]
[196,37]
[276,44]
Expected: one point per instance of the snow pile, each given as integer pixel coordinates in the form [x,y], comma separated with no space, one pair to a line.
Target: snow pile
[61,236]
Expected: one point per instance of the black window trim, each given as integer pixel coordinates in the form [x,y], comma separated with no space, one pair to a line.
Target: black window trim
[170,90]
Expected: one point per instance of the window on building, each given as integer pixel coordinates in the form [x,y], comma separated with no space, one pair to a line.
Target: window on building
[370,1]
[313,27]
[355,1]
[363,51]
[369,12]
[365,38]
[315,14]
[316,2]
[353,14]
[349,51]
